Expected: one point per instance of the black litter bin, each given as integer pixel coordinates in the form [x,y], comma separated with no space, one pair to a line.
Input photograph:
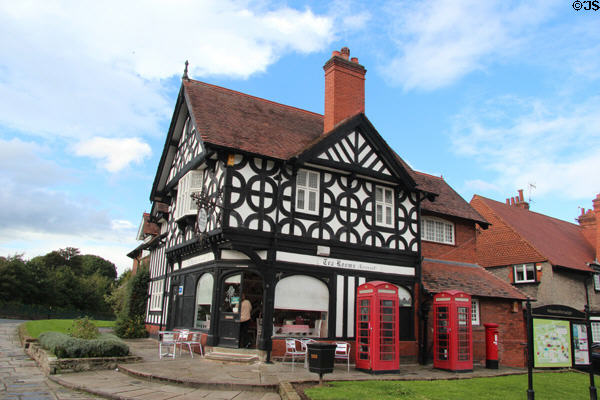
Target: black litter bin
[321,357]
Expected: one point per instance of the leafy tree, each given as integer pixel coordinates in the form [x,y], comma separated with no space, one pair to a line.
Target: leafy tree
[130,319]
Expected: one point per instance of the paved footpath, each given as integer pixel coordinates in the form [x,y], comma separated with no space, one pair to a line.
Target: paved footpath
[20,378]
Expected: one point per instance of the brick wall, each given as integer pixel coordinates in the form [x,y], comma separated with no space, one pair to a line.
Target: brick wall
[464,244]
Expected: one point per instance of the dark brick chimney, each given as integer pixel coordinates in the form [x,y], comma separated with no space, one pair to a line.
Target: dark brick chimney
[344,88]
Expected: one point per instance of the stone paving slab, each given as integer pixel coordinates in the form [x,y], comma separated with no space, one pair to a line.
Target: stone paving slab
[20,379]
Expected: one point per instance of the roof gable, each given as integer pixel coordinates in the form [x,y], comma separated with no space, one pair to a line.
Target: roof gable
[519,234]
[356,146]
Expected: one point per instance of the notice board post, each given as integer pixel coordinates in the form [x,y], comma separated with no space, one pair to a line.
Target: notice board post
[530,392]
[593,395]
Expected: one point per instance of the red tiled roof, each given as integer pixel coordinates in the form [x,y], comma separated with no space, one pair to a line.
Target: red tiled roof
[448,201]
[233,119]
[237,120]
[440,275]
[518,235]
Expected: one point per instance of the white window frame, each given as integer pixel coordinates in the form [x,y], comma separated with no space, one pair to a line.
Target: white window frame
[189,183]
[437,230]
[523,268]
[156,296]
[475,311]
[597,282]
[387,208]
[303,192]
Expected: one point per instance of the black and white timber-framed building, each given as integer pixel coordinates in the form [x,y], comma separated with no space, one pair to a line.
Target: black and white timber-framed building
[261,199]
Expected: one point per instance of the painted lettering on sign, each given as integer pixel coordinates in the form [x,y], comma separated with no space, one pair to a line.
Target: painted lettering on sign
[335,263]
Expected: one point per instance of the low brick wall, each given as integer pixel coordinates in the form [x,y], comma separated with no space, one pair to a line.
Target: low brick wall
[51,365]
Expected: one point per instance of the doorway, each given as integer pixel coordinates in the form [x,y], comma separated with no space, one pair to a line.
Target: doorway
[234,289]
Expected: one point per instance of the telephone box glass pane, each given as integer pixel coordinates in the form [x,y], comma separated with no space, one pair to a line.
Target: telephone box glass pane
[463,334]
[442,332]
[387,344]
[363,332]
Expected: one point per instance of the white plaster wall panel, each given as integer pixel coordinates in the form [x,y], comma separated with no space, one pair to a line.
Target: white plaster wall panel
[350,306]
[361,280]
[339,307]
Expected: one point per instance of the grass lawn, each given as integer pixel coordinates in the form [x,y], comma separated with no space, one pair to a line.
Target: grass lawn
[547,385]
[57,325]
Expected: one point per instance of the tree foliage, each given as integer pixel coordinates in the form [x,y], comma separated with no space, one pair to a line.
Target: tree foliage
[62,278]
[129,303]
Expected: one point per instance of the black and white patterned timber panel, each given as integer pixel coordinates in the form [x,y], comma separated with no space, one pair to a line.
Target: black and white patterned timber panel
[355,150]
[346,214]
[189,147]
[158,262]
[213,179]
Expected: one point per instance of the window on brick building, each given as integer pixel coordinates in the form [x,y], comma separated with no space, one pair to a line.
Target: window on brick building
[437,230]
[597,282]
[524,273]
[474,312]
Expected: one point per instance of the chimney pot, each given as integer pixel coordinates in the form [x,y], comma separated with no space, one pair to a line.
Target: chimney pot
[354,59]
[521,195]
[345,52]
[508,202]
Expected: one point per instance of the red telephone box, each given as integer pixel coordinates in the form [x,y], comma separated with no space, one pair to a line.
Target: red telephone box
[452,336]
[377,346]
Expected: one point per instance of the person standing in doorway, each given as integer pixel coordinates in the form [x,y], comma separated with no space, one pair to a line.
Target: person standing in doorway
[245,312]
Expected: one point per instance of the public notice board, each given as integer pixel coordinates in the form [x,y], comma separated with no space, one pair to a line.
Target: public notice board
[551,343]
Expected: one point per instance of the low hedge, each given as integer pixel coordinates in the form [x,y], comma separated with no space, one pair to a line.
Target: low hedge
[65,346]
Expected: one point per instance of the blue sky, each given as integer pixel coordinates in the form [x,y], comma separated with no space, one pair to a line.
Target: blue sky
[493,95]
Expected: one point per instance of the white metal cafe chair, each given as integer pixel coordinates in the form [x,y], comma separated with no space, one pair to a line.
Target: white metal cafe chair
[168,340]
[342,352]
[304,342]
[291,349]
[190,340]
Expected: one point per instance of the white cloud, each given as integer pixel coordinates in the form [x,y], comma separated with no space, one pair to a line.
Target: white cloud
[556,146]
[83,69]
[114,154]
[441,41]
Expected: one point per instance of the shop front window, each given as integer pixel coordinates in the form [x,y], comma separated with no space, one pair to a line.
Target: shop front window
[301,307]
[204,293]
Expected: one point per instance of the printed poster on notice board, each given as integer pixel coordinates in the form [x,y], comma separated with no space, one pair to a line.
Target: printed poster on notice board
[580,345]
[551,343]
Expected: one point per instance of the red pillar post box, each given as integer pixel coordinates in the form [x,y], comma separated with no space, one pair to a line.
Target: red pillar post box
[491,346]
[452,335]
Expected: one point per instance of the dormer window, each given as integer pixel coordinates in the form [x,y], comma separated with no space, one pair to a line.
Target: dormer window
[437,230]
[384,206]
[188,184]
[307,191]
[524,273]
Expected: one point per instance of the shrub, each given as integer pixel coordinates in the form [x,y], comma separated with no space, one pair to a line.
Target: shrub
[65,346]
[84,328]
[131,328]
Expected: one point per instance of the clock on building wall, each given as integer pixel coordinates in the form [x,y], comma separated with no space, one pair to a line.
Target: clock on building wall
[202,220]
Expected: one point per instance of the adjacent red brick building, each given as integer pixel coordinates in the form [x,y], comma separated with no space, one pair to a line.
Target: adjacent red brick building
[449,263]
[552,261]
